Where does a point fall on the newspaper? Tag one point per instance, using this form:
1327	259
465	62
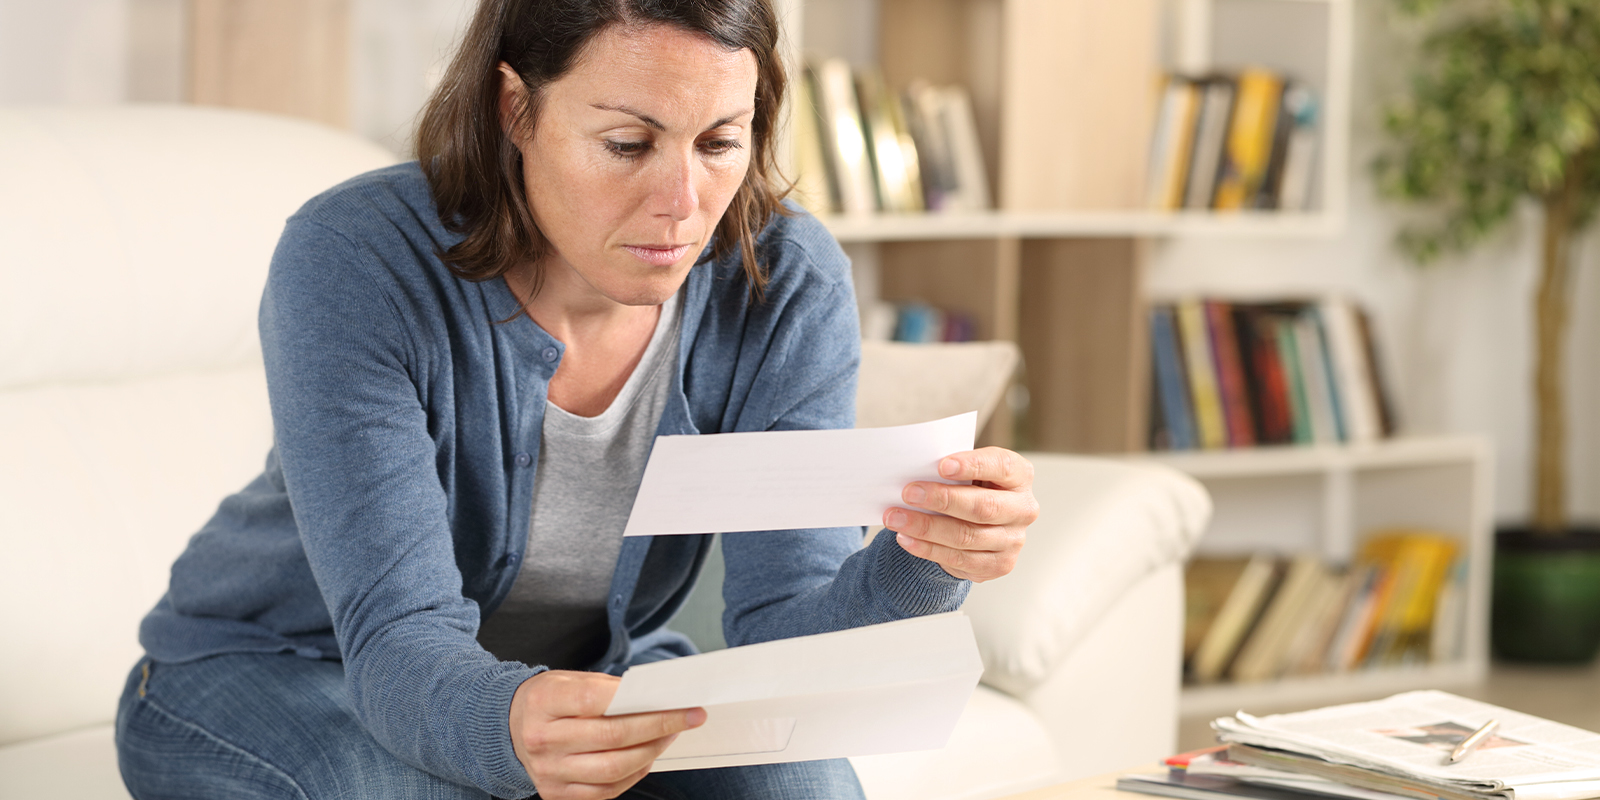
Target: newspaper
1409	737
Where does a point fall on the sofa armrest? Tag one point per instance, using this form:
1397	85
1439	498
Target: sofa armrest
1112	703
1104	526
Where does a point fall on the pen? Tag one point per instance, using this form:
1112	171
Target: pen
1471	743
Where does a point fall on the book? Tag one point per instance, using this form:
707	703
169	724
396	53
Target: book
844	143
892	156
1294	180
1171	382
1238	615
1321	405
1248	151
920	104
1387	424
1419	562
1255	326
1201	369
1264	373
1448	636
1308	654
1210	137
1357	399
1355	629
1207	582
966	153
1172	143
1231	384
812	188
1261	656
1289	354
919	323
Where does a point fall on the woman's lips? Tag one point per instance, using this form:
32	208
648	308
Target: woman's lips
658	256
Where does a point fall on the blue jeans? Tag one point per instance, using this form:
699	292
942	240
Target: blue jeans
280	726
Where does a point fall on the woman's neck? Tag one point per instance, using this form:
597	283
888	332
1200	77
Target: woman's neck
605	340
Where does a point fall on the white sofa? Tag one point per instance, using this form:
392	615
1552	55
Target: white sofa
132	400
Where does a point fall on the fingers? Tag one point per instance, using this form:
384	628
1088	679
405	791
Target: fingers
607	734
565	693
974	531
978	504
602	757
997	466
972	565
571	751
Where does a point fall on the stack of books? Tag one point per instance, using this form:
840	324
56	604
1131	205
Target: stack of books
861	148
1407	746
1264	617
1233	374
1233	142
915	322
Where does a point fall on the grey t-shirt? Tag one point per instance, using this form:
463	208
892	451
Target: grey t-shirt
589	471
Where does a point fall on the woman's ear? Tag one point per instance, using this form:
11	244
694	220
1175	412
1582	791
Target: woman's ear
513	98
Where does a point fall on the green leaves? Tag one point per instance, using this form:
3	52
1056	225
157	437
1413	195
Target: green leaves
1504	103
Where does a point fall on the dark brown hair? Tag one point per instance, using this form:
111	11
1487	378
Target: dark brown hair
475	170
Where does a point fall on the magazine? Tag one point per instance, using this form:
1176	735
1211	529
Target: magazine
1402	744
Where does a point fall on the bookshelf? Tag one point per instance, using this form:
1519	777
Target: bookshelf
1064	92
1323	499
1064	95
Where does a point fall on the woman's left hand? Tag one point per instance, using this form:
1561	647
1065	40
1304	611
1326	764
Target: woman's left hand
982	527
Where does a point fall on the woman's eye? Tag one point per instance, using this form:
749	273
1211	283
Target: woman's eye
627	149
720	146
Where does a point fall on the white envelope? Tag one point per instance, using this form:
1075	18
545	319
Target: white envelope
784	480
885	688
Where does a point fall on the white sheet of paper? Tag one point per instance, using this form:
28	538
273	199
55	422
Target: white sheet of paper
783	480
886	688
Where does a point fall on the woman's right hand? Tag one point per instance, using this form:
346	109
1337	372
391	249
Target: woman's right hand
572	751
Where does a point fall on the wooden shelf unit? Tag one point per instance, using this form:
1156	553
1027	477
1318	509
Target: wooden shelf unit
1323	500
1064	96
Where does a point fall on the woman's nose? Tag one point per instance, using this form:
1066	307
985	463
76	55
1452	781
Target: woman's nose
677	193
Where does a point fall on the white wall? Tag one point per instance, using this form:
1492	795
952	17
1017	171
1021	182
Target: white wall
63	51
1456	336
400	51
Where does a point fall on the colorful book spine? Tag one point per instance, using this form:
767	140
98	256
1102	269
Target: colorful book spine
1299	405
1249	144
1203	389
1210	137
1171	383
1172	143
1264	371
1230	374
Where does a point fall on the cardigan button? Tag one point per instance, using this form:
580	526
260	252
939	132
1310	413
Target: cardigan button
523	459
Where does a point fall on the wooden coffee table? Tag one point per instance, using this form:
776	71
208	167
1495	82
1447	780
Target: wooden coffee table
1099	787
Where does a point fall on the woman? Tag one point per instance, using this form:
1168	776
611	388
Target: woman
426	593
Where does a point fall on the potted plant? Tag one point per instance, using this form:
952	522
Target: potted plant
1503	108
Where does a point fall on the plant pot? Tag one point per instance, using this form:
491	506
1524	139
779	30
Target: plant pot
1546	596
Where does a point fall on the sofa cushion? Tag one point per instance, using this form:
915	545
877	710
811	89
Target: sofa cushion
101	486
998	748
1070	572
131	397
81	765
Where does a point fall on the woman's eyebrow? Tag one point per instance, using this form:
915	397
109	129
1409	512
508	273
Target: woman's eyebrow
653	123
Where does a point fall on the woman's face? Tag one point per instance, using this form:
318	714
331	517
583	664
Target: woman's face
635	154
